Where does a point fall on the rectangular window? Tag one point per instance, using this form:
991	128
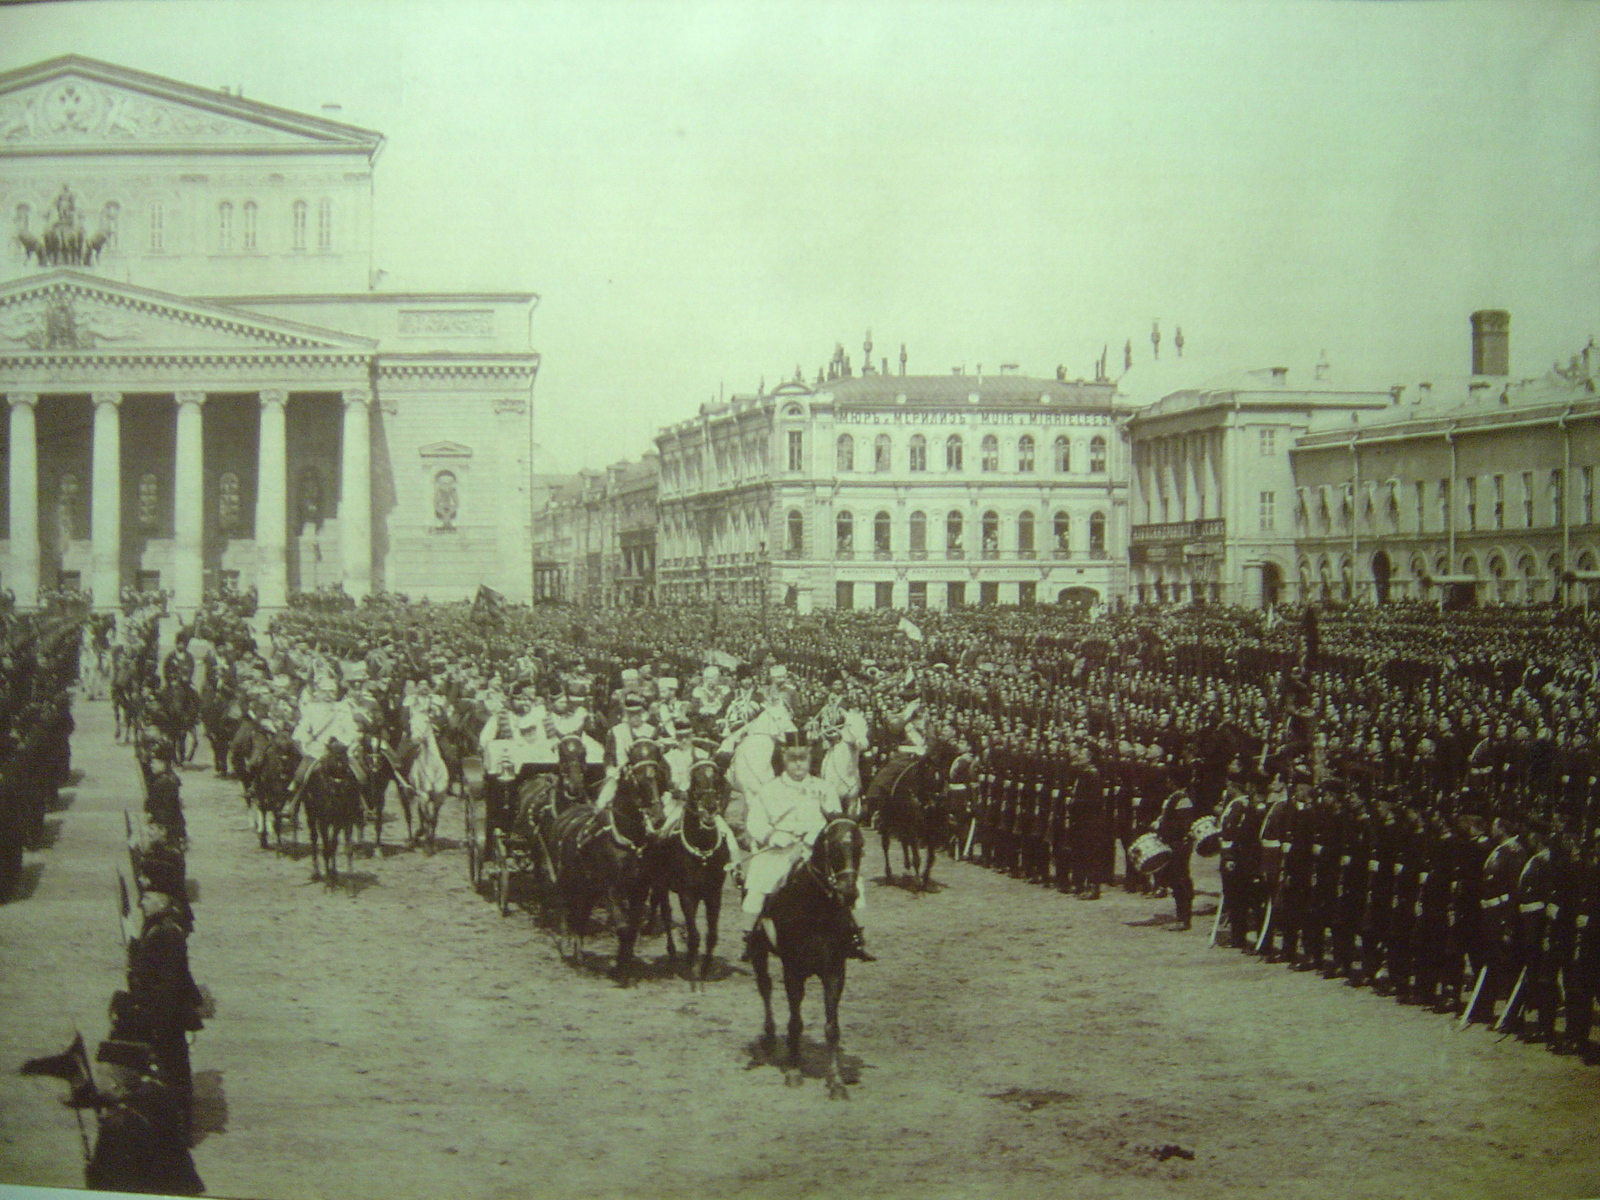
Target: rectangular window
1269	443
1422	507
1027	593
988	593
225	227
1472	502
157	232
325	225
1527	499
917	595
1588	495
250	225
1269	506
1558	497
955	595
796	458
1444	504
844	595
1499	501
883	595
299	227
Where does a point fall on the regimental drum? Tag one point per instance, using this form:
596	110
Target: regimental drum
1149	854
1207	836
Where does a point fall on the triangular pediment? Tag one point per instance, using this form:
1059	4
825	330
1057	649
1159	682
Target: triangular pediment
66	311
445	450
77	105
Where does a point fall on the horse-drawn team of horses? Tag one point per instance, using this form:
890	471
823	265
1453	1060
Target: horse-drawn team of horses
543	826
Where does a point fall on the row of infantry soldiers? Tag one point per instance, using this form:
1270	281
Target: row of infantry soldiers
37	666
145	1109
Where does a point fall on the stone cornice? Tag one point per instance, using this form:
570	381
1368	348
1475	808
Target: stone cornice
492	370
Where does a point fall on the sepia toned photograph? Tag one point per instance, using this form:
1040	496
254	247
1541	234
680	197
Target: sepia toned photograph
721	598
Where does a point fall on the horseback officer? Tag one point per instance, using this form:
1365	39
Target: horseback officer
783	820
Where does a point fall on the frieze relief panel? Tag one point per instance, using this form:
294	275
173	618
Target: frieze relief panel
69	320
446	322
78	112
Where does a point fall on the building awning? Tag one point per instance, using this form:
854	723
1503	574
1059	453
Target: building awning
1448	579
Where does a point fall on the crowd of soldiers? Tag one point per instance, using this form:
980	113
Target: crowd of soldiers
145	1112
36	665
1410	804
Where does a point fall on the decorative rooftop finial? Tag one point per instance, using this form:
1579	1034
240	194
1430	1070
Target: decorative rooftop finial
903	357
866	356
1177	340
1155	336
1127	355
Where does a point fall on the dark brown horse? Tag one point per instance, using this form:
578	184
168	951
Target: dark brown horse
916	810
332	799
692	862
600	853
810	915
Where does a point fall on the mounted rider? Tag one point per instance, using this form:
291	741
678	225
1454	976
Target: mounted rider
681	758
326	722
783	822
634	727
913	745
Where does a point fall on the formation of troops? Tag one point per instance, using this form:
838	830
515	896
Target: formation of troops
1403	799
143	1099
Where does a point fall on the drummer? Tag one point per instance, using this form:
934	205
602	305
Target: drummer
1178	815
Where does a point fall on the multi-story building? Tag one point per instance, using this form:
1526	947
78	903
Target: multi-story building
594	537
205	387
905	491
1472	488
1211	484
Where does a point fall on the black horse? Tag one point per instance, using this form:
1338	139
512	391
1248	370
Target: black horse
600	854
916	809
810	915
331	796
692	862
220	712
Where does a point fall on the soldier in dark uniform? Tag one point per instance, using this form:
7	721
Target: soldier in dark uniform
1581	978
1327	838
1172	827
1089	826
1384	848
1239	864
1409	867
1438	966
163	992
1498	922
143	1142
1533	897
1351	903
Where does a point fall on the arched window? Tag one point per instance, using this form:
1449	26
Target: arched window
1025	452
991	534
991	453
23	219
229	505
1063	533
845	459
1097	454
844	533
68	498
446	499
1025	534
919	535
325	224
880	535
952	452
1063	454
1097	534
919	453
953	535
149	501
225	227
299	228
881	453
796	532
158	240
249	224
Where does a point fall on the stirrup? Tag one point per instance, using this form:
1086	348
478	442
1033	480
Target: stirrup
857	947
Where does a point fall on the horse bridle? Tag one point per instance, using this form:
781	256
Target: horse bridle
829	880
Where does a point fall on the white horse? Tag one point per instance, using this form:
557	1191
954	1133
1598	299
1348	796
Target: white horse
426	781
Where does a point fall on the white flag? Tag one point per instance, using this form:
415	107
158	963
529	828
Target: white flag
910	630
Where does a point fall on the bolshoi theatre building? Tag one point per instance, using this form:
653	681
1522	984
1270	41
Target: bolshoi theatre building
203	388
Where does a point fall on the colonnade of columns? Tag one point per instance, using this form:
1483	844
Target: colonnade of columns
272	498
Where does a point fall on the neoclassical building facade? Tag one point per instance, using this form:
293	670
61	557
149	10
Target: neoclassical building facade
204	388
897	491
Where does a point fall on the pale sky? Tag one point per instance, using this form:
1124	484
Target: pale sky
706	194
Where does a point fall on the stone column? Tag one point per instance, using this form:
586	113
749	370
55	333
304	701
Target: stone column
22	576
355	493
106	502
272	504
188	509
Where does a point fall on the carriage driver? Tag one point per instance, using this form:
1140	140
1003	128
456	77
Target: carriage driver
681	756
784	820
325	721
